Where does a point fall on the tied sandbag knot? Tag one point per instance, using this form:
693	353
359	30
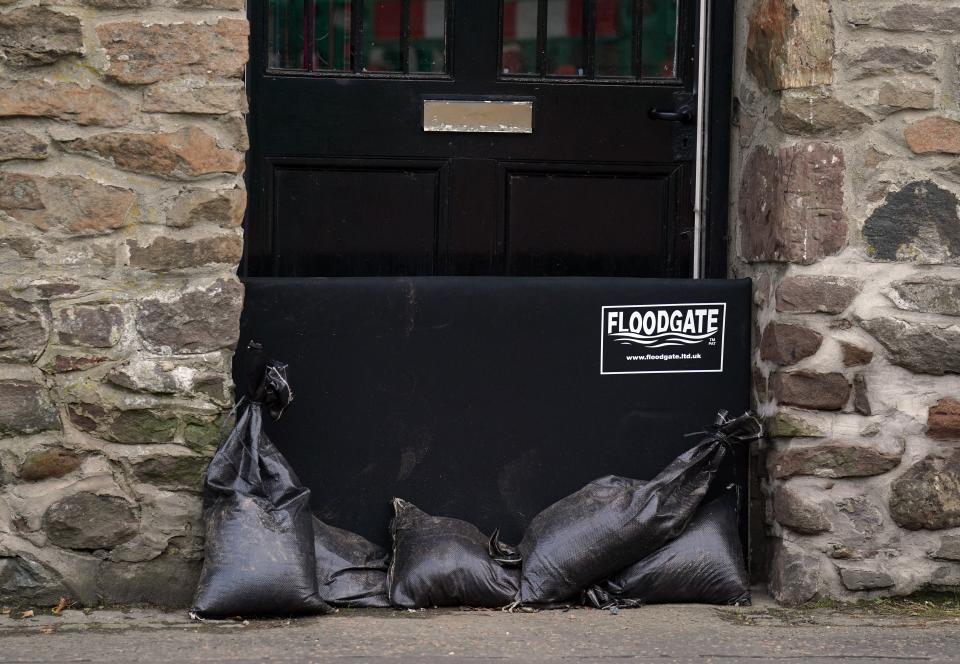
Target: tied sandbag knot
741	429
268	385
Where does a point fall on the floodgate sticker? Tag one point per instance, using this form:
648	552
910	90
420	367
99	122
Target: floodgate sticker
663	338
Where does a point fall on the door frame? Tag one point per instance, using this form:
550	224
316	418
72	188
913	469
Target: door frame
714	150
714	92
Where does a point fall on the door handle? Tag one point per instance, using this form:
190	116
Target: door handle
684	115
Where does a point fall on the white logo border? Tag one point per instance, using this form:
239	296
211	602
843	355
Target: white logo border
603	335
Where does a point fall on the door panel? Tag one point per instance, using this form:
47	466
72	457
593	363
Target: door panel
586	223
353	222
597	188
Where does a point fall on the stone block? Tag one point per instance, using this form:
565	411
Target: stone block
189	377
209	4
798	513
927	495
933	135
795	576
20	144
27	581
943	419
786	424
816	294
177	473
94	326
861	396
790	43
921	347
69	102
895	96
26	408
130	425
918	223
932	295
200	319
63	360
858	579
37	35
945	578
87	521
69	204
118	4
784	343
905	16
816	112
949	549
48	463
187	153
196	96
140	53
833	459
23	332
864	516
810	389
868	60
791	204
854	355
223	208
165	253
167	581
203	434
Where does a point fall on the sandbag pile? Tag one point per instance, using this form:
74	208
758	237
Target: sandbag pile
615	542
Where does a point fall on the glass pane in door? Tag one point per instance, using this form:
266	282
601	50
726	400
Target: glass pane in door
615	33
428	36
621	39
358	36
285	31
519	54
565	24
332	35
659	38
381	47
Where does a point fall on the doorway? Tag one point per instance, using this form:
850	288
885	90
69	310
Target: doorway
456	137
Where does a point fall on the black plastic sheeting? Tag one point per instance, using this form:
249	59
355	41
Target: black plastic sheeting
480	398
259	549
351	571
613	522
704	565
439	561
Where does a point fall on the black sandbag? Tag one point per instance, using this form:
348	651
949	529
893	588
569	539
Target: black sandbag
615	521
259	550
351	571
439	561
704	565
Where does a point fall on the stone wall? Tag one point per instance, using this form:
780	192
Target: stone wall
122	142
846	183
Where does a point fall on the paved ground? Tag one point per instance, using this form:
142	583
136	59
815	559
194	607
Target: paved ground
702	634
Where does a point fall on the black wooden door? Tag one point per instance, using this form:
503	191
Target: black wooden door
352	175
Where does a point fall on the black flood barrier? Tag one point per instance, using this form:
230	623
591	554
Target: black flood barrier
614	521
488	399
351	571
439	561
259	552
703	565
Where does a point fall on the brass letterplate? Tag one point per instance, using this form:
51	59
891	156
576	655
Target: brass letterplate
481	117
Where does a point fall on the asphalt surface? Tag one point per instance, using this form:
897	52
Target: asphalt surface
650	634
